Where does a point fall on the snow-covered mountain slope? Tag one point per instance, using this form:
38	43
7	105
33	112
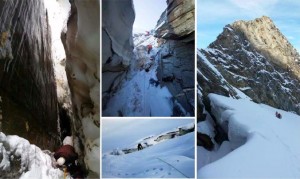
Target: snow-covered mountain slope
260	144
247	57
169	158
239	134
21	159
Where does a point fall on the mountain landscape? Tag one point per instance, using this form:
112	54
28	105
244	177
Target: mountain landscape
168	149
253	71
136	79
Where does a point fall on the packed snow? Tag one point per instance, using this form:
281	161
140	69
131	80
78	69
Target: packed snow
34	163
260	144
141	93
169	158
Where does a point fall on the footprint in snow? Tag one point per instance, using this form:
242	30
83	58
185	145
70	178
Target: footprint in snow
177	160
154	168
161	169
169	173
147	170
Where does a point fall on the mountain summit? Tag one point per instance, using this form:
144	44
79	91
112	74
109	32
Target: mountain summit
254	57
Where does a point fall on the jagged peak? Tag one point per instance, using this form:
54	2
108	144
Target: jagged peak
265	37
263	19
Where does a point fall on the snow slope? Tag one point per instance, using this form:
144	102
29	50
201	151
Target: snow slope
172	158
260	145
34	163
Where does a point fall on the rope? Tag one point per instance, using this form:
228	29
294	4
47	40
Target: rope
172	167
65	173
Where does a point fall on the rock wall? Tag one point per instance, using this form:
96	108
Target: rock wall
117	49
267	39
81	42
256	58
175	28
28	91
177	21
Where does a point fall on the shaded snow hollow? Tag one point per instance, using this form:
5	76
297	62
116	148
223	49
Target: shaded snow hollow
173	158
260	145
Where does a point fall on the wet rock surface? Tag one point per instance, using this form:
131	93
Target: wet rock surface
28	91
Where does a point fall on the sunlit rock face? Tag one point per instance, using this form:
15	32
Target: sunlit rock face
28	92
117	49
256	58
82	44
177	21
175	30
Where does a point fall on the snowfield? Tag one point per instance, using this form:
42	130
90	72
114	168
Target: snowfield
169	158
260	144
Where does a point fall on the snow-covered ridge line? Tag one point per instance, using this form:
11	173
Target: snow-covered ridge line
156	139
264	142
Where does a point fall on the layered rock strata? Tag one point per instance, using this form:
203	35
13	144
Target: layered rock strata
175	30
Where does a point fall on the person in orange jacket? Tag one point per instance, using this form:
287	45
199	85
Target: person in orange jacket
149	48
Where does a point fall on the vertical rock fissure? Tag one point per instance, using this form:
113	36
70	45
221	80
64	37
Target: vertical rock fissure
28	87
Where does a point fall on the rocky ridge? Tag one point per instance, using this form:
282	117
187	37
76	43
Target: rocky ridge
255	58
175	30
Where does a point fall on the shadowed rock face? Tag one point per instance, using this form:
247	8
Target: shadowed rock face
81	43
257	59
117	49
175	28
29	100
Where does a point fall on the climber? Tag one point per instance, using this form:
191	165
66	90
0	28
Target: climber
153	82
140	147
278	115
66	157
147	33
149	48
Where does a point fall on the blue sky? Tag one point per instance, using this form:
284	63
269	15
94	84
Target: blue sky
213	15
147	13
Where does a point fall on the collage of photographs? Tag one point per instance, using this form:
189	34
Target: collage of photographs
149	89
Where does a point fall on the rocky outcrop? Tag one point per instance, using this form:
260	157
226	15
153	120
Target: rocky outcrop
28	90
258	60
117	49
177	21
81	42
266	38
175	28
